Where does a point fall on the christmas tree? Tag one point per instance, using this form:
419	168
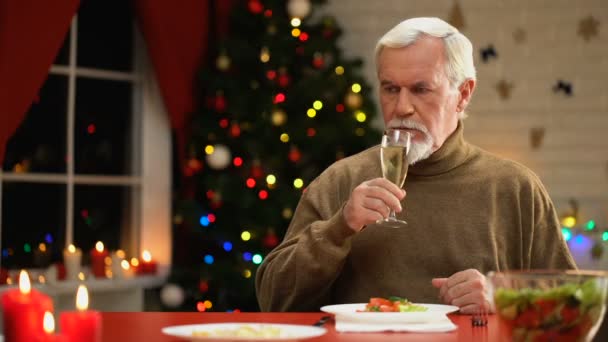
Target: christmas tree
278	105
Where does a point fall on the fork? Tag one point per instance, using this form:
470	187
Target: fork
480	319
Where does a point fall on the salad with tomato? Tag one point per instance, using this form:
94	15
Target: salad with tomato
567	312
392	304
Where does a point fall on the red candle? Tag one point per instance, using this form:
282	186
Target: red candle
23	311
83	324
147	265
98	260
49	330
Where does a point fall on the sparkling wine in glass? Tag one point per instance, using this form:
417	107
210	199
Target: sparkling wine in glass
393	158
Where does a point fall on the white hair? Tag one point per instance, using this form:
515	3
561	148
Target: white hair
459	50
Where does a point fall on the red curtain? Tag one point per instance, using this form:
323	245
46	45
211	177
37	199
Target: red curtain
31	34
177	35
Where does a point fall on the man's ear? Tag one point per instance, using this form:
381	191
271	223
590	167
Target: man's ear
466	91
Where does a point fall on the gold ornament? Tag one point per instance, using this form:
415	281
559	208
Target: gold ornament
537	135
279	117
504	89
587	28
222	62
456	18
353	100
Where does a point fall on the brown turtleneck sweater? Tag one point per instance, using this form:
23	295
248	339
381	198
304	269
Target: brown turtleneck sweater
465	208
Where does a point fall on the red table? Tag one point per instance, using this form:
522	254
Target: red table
146	326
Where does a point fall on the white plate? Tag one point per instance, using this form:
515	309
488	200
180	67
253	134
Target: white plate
287	332
435	312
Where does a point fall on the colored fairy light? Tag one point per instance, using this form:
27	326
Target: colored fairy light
339	108
250	182
224	123
48	238
211	218
200	307
567	234
356	87
208	304
84	213
271	74
311	113
5	253
227	246
27	248
605	236
237	161
295	32
296	22
339	70
311	132
247	274
591	225
317	105
284	137
264	55
360	116
209	259
204	221
210	194
280	97
303	36
569	221
257	259
42	247
263	194
298	183
209	149
91	128
247	256
271	179
245	235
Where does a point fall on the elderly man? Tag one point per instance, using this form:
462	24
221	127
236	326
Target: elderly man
468	211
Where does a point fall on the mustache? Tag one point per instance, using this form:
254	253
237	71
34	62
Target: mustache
409	124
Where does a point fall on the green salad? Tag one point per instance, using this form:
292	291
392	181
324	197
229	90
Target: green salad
566	312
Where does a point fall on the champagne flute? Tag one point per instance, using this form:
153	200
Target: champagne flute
393	158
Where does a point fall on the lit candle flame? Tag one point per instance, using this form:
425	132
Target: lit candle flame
125	265
48	323
146	256
82	298
41	279
99	246
24	282
81	276
72	249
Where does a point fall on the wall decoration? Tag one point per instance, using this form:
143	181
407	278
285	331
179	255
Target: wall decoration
588	28
456	17
488	52
537	136
563	87
504	89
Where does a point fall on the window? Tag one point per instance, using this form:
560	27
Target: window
99	104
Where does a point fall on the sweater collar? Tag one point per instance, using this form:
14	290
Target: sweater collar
450	155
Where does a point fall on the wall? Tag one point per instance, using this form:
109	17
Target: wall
572	159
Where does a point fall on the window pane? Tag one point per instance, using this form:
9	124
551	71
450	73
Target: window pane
102	213
105	35
103	127
39	144
32	214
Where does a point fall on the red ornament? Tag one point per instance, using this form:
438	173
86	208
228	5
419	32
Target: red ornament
257	172
270	240
284	80
220	103
235	130
294	154
203	286
317	62
255	6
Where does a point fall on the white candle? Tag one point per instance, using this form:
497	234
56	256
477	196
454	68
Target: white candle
72	258
117	258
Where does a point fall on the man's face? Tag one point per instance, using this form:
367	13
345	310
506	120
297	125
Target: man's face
415	91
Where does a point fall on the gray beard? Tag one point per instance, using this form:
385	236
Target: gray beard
420	150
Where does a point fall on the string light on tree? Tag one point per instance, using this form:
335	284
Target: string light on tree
218	156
